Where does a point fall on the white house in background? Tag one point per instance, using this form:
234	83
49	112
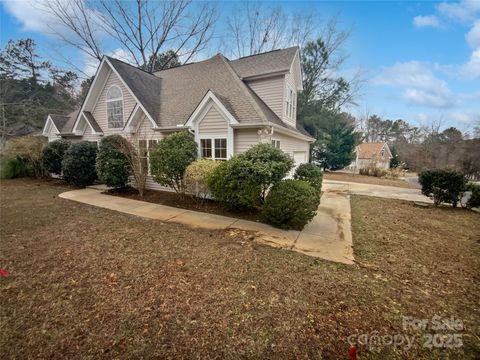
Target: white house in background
228	105
371	154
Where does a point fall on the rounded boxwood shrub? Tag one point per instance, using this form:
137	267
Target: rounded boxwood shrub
197	175
113	167
52	155
443	185
78	165
232	184
170	158
310	173
474	200
291	204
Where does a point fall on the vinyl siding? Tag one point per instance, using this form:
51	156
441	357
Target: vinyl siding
213	124
271	91
52	134
100	110
89	136
290	145
243	139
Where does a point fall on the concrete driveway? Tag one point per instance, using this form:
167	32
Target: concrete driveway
388	192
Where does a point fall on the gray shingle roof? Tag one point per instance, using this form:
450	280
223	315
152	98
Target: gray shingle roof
92	121
144	85
170	96
59	121
265	63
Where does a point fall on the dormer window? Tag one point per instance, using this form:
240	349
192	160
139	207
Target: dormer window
115	107
290	103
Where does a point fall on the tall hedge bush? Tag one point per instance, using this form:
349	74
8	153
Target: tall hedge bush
443	185
310	173
269	165
78	165
113	167
170	158
52	155
291	204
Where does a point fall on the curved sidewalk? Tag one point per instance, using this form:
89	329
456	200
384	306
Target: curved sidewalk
327	236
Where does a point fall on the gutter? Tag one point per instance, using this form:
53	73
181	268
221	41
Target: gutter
172	128
265	75
278	128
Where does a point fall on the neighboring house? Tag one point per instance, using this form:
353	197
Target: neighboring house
228	105
371	155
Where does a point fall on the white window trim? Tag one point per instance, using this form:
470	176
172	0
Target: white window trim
290	103
279	143
48	127
212	137
198	115
107	100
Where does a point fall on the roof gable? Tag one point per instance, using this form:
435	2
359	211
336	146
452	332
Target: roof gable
371	150
275	61
145	87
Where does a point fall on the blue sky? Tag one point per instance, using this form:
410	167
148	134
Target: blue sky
420	60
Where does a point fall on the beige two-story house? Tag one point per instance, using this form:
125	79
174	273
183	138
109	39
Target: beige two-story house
228	105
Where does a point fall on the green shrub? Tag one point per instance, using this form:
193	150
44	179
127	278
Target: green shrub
29	150
243	181
269	165
12	167
113	167
474	200
291	204
170	158
310	173
78	165
443	185
197	175
52	155
232	184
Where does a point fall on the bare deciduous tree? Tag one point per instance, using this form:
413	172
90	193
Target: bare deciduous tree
143	28
254	29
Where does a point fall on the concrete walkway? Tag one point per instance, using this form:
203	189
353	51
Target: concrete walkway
327	236
388	192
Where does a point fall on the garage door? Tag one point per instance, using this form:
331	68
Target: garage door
299	157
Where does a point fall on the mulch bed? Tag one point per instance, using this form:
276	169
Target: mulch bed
186	202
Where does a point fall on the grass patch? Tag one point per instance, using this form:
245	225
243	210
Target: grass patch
92	283
363	179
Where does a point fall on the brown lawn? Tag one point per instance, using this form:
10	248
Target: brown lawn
340	176
91	283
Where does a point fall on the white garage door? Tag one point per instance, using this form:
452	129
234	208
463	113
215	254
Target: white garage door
299	157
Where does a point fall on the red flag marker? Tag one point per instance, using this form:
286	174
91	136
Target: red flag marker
352	353
3	272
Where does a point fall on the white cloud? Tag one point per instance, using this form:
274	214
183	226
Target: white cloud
465	117
29	14
473	36
426	21
90	64
463	11
472	67
420	85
